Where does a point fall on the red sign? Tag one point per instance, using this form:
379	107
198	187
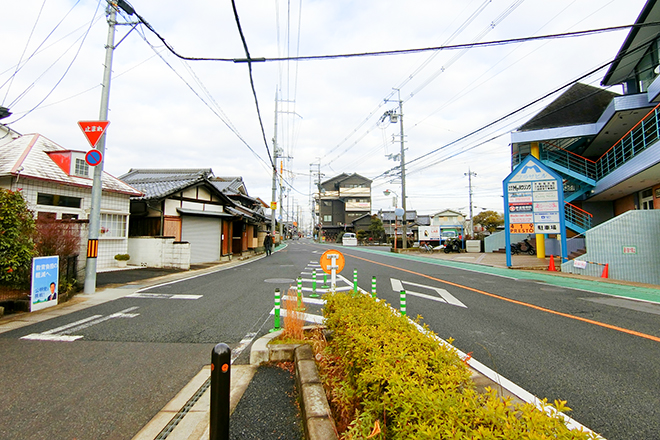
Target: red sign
93	130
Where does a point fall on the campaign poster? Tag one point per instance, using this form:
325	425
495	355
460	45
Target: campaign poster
45	282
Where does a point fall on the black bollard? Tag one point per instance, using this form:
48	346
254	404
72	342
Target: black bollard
220	381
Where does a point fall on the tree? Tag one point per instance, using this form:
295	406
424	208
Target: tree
16	239
376	230
490	220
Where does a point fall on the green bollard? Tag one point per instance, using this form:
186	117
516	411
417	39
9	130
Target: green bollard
314	294
373	286
299	292
402	297
278	305
355	287
325	281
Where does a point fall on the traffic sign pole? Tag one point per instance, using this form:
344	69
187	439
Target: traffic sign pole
97	188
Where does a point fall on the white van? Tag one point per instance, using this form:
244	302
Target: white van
349	239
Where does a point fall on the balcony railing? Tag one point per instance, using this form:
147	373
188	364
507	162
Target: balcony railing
643	134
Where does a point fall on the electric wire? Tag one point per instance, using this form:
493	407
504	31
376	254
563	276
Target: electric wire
66	71
491	43
254	92
499	19
27	43
640	46
21	63
216	110
409	78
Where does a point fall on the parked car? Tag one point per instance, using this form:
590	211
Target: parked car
349	239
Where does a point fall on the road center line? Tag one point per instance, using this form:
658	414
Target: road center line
514	301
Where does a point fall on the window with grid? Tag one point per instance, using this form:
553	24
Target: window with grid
113	226
81	168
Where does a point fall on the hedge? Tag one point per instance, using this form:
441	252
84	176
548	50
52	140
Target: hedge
402	382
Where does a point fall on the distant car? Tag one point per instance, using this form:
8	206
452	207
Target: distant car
349	239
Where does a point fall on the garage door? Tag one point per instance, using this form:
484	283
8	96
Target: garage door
203	234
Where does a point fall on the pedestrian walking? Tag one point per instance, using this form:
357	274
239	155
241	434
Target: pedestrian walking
268	243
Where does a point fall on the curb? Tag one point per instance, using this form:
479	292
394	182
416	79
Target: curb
317	418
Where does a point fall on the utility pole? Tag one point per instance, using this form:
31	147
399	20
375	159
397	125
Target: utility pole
394	117
316	221
281	194
403	175
97	183
470	174
273	199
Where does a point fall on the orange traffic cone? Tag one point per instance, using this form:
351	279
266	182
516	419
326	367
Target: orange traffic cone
552	264
606	271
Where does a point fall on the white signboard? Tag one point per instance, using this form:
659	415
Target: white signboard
521	218
546	217
547	228
429	233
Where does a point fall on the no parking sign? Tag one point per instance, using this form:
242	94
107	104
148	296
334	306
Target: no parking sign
93	157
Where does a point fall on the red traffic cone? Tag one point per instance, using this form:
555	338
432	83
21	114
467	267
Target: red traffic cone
605	273
552	268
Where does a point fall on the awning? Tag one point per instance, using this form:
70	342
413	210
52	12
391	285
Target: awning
186	211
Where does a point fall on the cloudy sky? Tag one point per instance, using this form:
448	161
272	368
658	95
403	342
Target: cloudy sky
170	113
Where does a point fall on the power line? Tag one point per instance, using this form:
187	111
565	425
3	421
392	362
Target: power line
84	37
250	60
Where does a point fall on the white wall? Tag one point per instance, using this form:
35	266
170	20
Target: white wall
159	252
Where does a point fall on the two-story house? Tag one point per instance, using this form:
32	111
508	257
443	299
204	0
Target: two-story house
57	184
341	201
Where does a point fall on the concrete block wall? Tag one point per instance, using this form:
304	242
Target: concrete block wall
160	252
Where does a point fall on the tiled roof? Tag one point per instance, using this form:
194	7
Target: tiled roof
159	183
389	215
28	157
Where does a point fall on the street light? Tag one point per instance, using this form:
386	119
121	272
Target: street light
398	212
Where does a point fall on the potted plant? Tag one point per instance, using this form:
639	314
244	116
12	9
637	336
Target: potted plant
122	259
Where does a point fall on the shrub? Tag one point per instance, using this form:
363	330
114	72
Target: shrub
122	257
293	319
16	239
385	373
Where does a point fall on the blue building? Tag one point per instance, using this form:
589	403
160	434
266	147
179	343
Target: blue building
606	147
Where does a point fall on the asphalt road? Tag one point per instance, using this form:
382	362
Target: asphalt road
135	353
545	338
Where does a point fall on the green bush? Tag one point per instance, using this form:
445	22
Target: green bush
414	387
16	239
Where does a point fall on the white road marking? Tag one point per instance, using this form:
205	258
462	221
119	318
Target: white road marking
446	297
316	319
45	337
236	352
306	300
162	296
73	324
186	296
62	333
